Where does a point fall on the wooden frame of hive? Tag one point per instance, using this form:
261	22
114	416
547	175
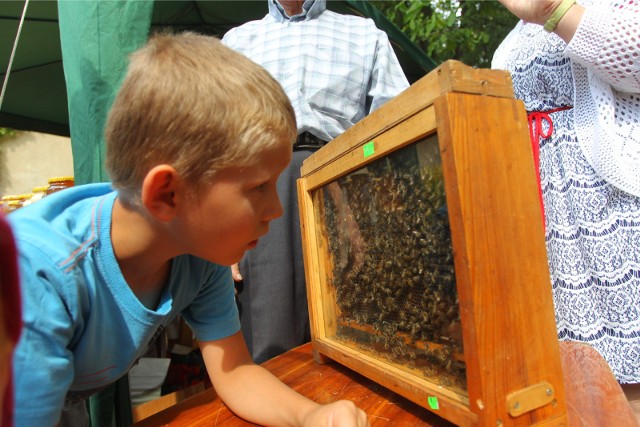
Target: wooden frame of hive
511	352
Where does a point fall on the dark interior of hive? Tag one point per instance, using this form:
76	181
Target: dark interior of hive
388	243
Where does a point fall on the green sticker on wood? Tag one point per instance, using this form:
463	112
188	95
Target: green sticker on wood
368	149
433	402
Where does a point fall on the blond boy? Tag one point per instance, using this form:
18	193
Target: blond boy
196	140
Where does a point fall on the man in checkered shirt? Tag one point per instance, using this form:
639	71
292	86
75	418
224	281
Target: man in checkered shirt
336	69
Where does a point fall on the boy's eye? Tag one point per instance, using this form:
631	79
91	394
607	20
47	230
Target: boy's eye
261	187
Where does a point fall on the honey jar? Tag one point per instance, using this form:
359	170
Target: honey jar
25	199
14	201
59	183
11	206
5	203
38	193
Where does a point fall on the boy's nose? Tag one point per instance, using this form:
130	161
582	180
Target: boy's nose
274	209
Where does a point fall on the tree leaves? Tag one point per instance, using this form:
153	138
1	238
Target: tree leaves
6	132
466	30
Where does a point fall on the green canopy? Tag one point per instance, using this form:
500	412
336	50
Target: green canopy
88	41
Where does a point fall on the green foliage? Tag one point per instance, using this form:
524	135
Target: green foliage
6	132
466	30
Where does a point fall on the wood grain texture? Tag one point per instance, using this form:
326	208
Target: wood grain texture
411	130
632	392
322	383
451	76
154	406
501	268
505	301
594	398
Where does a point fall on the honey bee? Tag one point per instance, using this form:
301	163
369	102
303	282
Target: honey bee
403	284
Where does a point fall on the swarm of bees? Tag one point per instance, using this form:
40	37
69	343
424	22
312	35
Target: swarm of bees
392	268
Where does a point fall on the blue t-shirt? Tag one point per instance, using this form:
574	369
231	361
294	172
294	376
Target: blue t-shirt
83	326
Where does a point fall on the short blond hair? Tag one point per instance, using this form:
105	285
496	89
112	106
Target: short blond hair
191	102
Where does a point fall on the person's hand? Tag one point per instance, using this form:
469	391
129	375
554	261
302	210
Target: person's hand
235	273
534	11
237	277
342	413
539	12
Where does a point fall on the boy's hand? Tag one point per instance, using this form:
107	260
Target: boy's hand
342	413
255	394
235	273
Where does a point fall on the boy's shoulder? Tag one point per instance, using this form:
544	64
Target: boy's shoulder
64	221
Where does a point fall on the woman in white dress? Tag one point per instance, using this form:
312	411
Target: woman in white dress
577	69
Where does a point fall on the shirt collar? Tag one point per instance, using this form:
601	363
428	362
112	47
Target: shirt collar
310	9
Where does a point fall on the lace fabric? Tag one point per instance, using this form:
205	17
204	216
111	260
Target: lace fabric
591	183
606	66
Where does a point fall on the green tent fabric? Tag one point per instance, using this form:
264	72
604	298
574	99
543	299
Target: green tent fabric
36	97
96	37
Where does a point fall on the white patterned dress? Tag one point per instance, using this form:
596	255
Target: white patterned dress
589	172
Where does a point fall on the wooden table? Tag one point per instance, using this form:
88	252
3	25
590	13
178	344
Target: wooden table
594	398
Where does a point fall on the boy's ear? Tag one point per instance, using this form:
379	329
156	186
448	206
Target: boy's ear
159	189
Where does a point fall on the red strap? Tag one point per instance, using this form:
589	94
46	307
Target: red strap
536	131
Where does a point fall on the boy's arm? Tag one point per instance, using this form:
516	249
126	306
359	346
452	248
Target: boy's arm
256	395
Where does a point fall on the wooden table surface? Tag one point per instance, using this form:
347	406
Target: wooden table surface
594	398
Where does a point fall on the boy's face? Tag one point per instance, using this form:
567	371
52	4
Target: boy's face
235	211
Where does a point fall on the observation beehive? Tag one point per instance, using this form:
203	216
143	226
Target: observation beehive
425	256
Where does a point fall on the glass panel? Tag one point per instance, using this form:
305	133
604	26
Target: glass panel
385	232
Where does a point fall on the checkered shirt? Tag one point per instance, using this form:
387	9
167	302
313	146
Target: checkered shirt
335	68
